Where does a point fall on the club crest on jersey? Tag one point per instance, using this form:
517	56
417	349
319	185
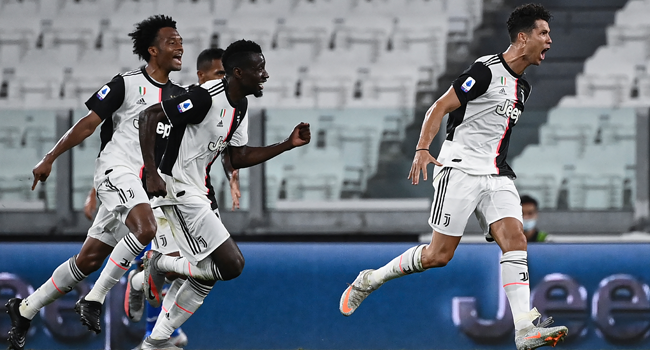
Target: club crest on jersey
468	84
142	90
218	146
101	94
509	110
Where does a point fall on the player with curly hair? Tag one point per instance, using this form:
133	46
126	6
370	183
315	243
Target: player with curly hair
118	178
471	175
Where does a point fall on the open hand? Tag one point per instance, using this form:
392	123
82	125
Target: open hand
420	162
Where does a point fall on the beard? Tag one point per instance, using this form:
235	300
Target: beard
258	93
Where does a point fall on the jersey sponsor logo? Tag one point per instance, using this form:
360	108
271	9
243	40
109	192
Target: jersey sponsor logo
502	91
141	101
468	84
101	94
161	128
220	124
508	110
185	106
218	146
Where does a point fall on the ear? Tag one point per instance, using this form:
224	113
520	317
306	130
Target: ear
237	72
199	75
522	38
153	51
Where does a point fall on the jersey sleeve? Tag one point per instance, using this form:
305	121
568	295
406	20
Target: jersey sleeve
108	98
473	83
240	137
189	108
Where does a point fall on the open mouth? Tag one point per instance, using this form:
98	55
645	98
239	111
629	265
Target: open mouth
178	58
543	54
261	85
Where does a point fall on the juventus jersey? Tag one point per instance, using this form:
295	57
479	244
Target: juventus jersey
204	122
492	99
118	104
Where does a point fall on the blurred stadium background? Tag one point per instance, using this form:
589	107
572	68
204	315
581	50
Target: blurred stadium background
363	73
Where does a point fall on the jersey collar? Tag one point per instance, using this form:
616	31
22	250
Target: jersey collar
153	82
508	67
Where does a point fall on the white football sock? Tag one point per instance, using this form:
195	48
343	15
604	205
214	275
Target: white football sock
405	264
170	297
118	263
188	299
205	270
63	280
137	281
514	274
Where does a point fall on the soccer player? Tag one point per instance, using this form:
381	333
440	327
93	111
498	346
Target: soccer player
206	121
471	174
117	177
209	67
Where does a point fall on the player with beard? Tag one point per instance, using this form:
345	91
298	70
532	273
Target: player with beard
117	177
471	175
206	121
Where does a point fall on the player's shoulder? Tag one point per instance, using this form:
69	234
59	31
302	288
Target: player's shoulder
214	87
488	60
132	73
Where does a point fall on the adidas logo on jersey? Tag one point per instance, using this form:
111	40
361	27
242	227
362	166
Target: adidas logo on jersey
141	101
502	91
220	124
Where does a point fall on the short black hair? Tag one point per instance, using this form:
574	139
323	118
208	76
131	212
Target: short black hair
146	34
238	54
207	56
523	18
526	199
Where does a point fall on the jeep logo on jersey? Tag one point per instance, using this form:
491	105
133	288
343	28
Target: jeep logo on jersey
161	128
101	94
468	84
185	106
508	110
218	146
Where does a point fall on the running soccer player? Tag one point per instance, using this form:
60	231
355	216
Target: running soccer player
209	119
209	67
117	178
471	174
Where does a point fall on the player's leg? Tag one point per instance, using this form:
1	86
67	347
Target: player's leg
453	202
208	238
94	250
500	210
122	194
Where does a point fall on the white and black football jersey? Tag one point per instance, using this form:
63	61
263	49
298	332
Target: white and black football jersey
204	122
118	104
492	99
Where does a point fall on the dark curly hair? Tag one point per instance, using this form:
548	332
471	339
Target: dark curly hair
238	54
523	18
145	34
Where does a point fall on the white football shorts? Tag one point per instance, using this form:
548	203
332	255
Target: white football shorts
120	190
457	194
164	241
197	229
106	227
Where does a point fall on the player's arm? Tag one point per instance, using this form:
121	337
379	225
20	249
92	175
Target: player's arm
74	136
147	122
91	204
233	178
246	156
446	104
189	108
473	83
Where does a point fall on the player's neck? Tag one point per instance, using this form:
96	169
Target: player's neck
516	59
233	92
156	73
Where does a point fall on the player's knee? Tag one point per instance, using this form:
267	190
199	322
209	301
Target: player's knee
146	233
233	268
